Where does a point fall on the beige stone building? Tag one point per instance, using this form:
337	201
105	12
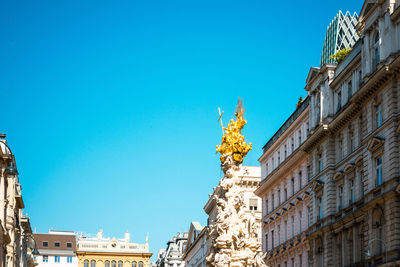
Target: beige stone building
16	240
111	252
351	154
285	192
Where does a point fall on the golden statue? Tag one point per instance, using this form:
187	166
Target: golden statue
233	143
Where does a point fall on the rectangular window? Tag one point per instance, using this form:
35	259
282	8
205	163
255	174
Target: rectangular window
266	242
57	259
351	141
308	216
300	180
272	239
279	234
319	208
266	169
279	158
349	89
252	204
378	171
292	183
300	260
45	258
339	99
45	244
273	201
300	216
351	200
299	137
319	162
285	230
292	262
69	245
273	163
69	259
340	150
56	244
340	197
292	226
378	116
286	195
292	143
285	152
266	205
279	197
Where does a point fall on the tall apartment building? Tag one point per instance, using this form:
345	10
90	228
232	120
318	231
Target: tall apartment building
285	192
352	153
56	248
96	250
16	238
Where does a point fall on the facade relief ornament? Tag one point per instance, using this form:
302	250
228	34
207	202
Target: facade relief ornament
233	231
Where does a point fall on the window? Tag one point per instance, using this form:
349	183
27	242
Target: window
340	197
285	194
292	183
292	261
307	129
120	264
252	204
107	264
266	169
92	263
113	264
300	260
86	263
45	258
300	180
273	201
285	153
292	143
319	162
376	51
279	234
319	203
378	168
351	141
300	218
273	163
266	205
266	242
56	244
69	259
140	264
57	259
285	230
351	199
299	137
349	90
378	116
279	158
69	245
279	197
45	244
272	239
133	263
292	226
340	149
339	101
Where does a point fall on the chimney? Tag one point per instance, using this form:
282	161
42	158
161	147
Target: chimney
127	237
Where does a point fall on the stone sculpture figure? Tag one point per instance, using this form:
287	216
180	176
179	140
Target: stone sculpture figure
233	232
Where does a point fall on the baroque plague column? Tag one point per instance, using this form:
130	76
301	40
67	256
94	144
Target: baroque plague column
233	232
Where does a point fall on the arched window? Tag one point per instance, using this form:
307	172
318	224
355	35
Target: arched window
113	264
140	263
120	264
376	49
134	264
86	263
107	264
93	263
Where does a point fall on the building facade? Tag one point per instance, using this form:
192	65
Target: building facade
56	248
172	255
351	153
285	192
111	252
196	248
16	241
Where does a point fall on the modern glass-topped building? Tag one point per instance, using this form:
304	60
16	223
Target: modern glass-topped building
340	33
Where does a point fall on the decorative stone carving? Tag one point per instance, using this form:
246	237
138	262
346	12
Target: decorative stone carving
233	231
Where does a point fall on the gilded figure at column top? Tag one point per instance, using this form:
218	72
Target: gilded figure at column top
233	143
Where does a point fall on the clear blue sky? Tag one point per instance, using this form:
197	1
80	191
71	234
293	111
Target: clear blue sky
110	107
